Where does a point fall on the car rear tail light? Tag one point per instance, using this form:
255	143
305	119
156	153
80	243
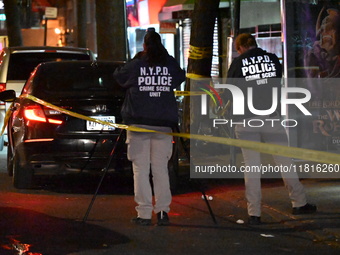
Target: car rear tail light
2	88
39	140
38	113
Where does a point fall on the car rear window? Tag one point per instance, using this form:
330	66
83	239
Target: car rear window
22	64
64	81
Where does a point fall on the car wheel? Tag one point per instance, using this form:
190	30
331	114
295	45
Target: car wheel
22	174
9	161
173	168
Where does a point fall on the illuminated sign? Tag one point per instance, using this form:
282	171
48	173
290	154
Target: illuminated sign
130	2
51	12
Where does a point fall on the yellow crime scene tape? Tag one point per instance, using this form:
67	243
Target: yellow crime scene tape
195	76
8	113
199	52
291	152
189	93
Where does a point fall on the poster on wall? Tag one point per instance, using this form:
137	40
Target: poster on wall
313	62
132	13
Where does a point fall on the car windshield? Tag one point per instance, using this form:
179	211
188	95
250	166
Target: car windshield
22	64
76	81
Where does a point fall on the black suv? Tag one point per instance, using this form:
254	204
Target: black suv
17	63
48	141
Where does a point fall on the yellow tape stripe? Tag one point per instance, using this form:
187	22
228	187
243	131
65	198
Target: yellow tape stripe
77	115
292	152
7	115
8	112
189	93
199	52
195	76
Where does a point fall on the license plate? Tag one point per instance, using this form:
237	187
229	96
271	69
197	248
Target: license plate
90	125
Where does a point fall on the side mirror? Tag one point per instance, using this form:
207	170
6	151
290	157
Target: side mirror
8	95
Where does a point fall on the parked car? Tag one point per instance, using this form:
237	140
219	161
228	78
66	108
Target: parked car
42	140
17	63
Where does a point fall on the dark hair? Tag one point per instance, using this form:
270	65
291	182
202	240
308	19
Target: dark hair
154	50
245	40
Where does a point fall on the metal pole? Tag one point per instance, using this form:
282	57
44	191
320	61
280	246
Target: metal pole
45	34
237	13
81	24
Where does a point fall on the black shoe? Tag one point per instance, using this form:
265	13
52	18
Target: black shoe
142	222
163	219
306	209
254	220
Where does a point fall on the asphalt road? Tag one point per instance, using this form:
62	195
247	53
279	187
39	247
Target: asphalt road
50	218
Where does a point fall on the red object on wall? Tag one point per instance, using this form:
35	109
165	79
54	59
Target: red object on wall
38	5
155	6
149	15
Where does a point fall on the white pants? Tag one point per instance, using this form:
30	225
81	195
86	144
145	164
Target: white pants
145	150
274	135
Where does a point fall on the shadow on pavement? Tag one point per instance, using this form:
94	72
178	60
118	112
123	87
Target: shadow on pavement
113	183
85	183
50	235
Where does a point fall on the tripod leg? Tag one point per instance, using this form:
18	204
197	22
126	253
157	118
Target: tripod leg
112	154
208	205
201	189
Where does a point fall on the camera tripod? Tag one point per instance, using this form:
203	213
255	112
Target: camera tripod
117	146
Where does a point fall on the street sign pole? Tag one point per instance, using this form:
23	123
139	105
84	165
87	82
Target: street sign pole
45	32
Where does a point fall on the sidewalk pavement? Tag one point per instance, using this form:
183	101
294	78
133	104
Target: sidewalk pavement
51	220
193	231
229	204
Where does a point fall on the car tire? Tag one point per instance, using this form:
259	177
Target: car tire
9	161
22	174
173	167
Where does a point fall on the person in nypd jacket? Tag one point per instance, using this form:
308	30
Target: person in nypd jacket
150	78
259	71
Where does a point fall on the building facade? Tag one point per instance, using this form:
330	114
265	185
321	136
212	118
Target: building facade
294	31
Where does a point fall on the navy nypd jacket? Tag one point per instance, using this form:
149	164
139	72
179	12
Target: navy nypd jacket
150	98
261	71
